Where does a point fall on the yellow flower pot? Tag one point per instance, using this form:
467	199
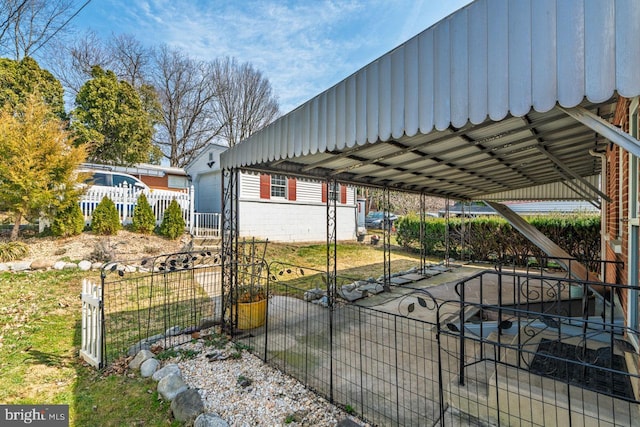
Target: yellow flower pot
250	314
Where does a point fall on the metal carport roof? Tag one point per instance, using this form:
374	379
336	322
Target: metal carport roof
500	98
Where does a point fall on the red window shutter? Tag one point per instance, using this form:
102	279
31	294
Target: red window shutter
265	186
343	194
324	192
291	190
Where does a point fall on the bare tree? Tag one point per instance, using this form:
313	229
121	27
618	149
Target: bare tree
191	103
28	25
246	102
123	54
72	62
187	94
131	60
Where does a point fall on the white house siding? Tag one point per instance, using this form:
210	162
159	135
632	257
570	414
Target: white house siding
302	220
278	219
293	221
249	186
309	192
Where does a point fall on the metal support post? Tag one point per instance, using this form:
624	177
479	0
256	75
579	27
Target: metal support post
386	226
422	237
229	245
332	195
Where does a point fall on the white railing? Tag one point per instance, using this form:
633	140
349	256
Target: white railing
125	199
91	349
206	224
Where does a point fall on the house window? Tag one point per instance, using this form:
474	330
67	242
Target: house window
279	186
174	181
334	191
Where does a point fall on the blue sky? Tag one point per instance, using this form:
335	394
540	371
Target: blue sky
302	47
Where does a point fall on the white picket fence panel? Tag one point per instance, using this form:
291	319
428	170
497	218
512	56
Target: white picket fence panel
125	199
91	349
206	224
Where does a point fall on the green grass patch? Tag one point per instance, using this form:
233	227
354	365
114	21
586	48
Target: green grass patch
40	326
40	321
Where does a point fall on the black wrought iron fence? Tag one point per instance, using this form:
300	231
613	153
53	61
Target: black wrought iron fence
508	349
502	348
157	299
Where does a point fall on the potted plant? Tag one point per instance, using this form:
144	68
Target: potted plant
249	303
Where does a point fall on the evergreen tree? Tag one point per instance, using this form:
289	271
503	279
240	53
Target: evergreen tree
20	79
144	221
105	219
37	161
172	222
110	119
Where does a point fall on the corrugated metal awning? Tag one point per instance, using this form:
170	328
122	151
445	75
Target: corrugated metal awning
468	108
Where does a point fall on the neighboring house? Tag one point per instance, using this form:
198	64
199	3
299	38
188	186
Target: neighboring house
155	176
205	174
274	206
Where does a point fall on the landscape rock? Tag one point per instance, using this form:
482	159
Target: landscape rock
172	368
141	345
324	301
130	268
372	288
186	406
348	288
59	265
140	358
210	420
41	264
4	267
97	265
208	322
84	265
353	295
21	266
70	266
149	367
174	330
170	386
314	294
154	338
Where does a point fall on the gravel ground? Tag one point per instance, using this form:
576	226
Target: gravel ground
271	399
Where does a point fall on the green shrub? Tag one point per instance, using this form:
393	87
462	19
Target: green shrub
105	219
68	220
173	224
435	230
11	251
144	221
490	238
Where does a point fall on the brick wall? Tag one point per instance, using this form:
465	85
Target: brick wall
155	181
617	188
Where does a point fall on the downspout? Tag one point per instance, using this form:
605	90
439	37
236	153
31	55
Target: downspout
603	206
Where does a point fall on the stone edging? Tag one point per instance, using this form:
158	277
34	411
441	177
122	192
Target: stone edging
46	264
186	403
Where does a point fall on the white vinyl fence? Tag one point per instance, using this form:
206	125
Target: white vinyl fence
125	199
206	224
91	349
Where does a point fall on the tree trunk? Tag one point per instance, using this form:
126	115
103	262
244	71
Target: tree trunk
16	227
